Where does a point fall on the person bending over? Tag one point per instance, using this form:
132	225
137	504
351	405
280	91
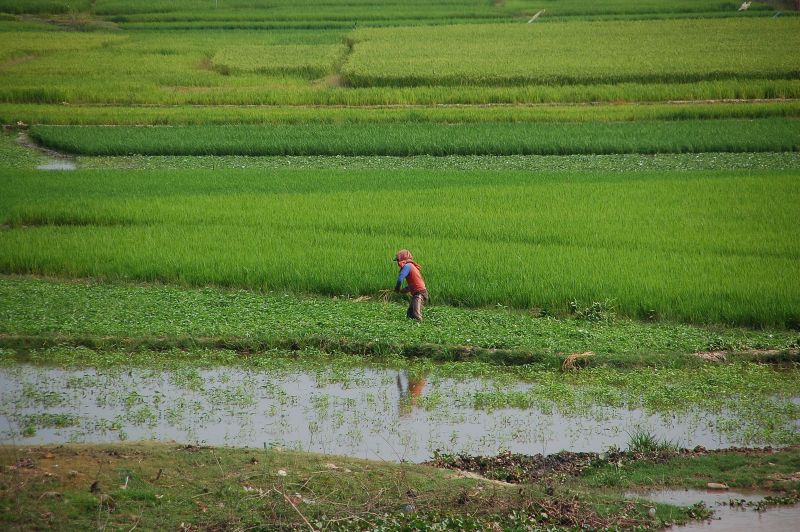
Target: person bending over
415	285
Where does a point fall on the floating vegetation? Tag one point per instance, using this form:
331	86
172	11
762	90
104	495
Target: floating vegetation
395	409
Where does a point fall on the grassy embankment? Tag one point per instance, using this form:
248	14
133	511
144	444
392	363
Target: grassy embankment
165	486
41	313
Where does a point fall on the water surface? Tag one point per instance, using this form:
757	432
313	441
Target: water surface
729	518
57	164
370	413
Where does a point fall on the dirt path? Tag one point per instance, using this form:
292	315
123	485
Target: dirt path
24	140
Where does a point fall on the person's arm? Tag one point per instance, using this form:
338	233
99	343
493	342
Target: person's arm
402	276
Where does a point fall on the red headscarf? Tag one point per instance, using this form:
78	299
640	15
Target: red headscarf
414	280
403	255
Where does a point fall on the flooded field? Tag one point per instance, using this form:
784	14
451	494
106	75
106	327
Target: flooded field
382	414
733	510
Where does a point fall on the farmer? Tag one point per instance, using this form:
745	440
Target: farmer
415	285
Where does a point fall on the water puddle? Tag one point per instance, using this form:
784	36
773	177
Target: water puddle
57	164
741	516
370	413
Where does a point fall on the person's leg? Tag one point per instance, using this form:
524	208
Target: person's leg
423	299
415	310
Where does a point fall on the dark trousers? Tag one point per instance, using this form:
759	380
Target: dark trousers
415	307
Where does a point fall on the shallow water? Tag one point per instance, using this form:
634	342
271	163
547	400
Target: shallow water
370	413
728	518
57	164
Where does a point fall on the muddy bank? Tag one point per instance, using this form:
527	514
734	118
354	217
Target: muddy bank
49	159
378	348
519	468
171	487
153	486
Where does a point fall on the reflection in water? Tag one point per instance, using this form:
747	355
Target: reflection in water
410	387
369	413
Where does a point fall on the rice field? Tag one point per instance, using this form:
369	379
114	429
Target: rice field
561	61
200	204
162	14
301	59
258	90
453	114
364	96
576	53
552	146
403	139
681	246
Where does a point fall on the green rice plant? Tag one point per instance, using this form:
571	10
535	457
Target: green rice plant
575	52
15	155
236	24
31	45
433	139
178	68
578	8
683	245
332	15
43	6
310	15
216	115
681	162
158	9
50	87
371	12
304	60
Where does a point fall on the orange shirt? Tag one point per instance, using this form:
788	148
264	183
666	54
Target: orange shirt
414	279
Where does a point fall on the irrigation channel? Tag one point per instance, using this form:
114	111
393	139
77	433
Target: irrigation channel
382	414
